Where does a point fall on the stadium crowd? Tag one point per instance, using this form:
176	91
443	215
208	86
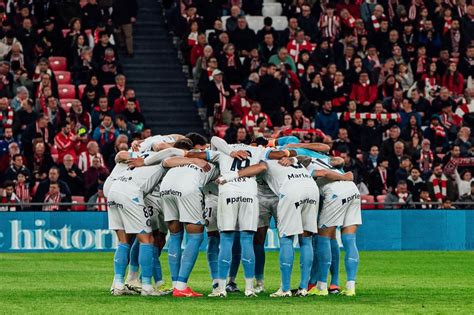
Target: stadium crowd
387	83
65	108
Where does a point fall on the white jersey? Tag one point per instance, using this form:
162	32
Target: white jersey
185	179
148	143
278	176
317	165
143	178
116	172
228	164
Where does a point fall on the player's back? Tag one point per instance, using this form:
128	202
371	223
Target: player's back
188	178
147	144
228	164
278	176
118	169
144	178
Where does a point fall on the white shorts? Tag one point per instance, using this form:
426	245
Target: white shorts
153	202
185	208
210	212
127	211
341	205
237	212
267	209
298	210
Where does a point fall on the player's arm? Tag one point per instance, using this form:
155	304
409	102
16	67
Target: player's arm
155	158
317	147
334	176
249	171
180	161
161	146
221	145
279	154
122	157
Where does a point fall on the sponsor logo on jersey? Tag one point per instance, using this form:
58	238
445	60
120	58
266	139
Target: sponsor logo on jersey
239	180
298	176
348	199
124	179
239	199
192	166
114	204
306	201
170	192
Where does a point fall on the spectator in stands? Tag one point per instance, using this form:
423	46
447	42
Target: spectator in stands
56	114
104	43
101	111
400	198
66	142
415	183
300	121
78	115
9	198
230	64
217	93
40	130
379	182
327	120
364	92
402	173
72	176
463	140
53	198
22	188
39	162
370	159
86	157
283	58
92	175
468	198
108	67
98	201
232	21
26	114
440	186
22	95
134	116
124	15
250	120
240	103
395	158
308	22
15	168
124	127
44	186
118	90
105	133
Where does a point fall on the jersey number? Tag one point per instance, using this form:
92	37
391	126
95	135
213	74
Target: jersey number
148	211
297	165
239	164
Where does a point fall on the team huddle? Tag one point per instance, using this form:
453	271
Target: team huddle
184	185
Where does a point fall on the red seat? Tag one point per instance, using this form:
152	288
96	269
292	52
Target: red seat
367	201
63	77
107	87
58	63
66	91
80	90
66	103
381	200
78	199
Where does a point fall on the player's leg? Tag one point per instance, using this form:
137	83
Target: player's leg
224	261
324	260
306	261
351	259
174	249
335	253
133	281
248	258
121	258
314	267
195	236
213	256
286	259
159	240
146	261
259	248
234	265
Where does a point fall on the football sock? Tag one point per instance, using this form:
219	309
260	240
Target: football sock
236	256
351	259
306	260
213	256
286	261
335	253
314	268
188	259
120	262
145	259
174	254
157	272
248	257
259	250
225	257
133	267
324	258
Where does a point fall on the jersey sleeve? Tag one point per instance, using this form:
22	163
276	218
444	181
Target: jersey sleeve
153	158
287	140
212	156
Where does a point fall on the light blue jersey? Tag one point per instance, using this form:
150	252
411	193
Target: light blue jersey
284	141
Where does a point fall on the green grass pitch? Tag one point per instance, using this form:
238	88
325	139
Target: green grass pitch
388	282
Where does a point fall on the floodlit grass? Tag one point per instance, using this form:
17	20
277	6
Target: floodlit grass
388	282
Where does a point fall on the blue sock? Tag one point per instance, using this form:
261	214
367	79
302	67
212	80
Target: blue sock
306	260
236	256
225	254
145	259
314	268
157	272
248	255
335	252
324	258
259	250
174	254
213	256
134	255
121	261
351	260
190	254
287	256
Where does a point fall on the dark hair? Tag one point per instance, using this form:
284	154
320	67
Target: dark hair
260	119
8	183
17	155
184	144
196	138
401	182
